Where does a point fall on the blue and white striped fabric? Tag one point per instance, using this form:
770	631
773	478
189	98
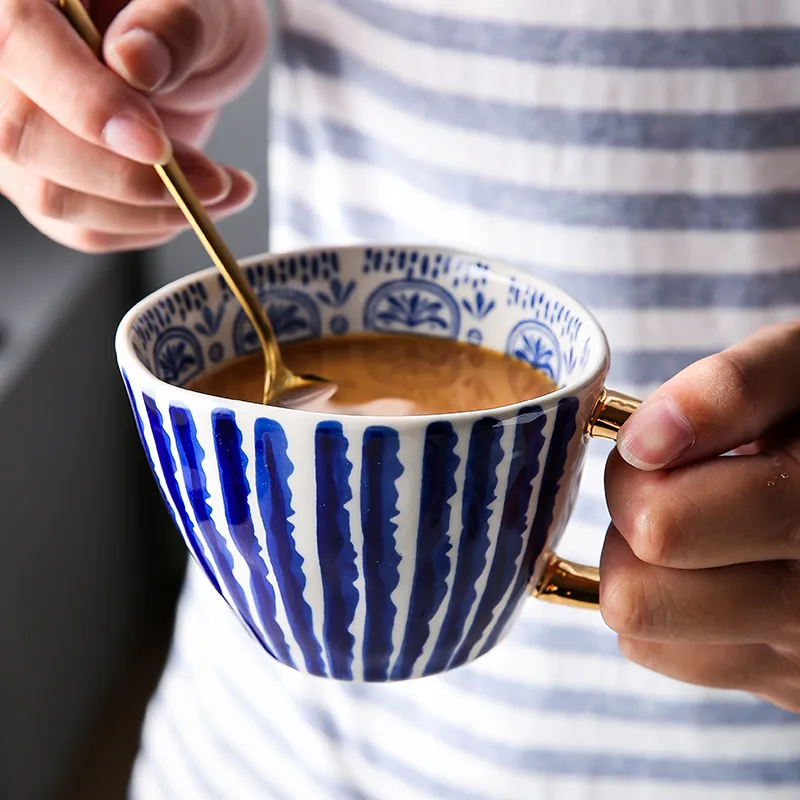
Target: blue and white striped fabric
644	156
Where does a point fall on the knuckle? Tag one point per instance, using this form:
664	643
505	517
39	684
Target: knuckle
623	603
185	31
166	220
105	98
652	526
734	384
188	17
135	183
48	199
92	242
650	533
17	115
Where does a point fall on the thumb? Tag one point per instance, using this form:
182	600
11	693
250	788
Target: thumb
719	403
156	44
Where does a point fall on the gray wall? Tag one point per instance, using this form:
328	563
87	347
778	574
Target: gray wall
72	532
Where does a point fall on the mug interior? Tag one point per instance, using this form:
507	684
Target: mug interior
195	323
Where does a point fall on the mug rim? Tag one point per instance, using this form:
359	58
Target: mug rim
130	362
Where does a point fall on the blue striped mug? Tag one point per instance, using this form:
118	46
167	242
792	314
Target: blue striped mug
372	548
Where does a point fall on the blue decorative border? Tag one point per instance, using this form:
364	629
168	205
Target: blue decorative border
391	289
412	306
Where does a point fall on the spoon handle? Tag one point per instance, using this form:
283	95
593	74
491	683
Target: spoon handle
181	190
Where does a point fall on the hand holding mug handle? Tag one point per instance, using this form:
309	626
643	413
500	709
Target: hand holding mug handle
565	582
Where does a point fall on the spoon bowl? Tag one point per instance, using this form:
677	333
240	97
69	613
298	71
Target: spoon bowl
297	391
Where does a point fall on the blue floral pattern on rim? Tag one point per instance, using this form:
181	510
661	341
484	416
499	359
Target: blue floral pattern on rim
388	289
178	356
294	316
535	343
412	306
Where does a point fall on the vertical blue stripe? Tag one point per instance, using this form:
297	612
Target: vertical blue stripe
171	484
140	428
563	431
192	455
337	556
136	415
380	470
439	464
273	469
528	443
235	492
480	483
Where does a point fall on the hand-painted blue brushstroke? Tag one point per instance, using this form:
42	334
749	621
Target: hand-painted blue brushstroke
136	415
191	456
563	431
432	566
235	491
337	556
171	487
140	428
273	469
480	483
528	444
380	471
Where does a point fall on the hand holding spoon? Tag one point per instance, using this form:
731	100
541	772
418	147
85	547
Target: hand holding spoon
281	385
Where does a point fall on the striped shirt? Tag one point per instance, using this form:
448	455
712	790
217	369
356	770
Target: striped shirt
644	156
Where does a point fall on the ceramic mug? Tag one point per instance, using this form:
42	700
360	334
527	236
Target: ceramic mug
372	548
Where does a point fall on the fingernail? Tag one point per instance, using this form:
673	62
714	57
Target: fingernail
142	58
211	183
246	176
655	435
252	189
136	139
229	210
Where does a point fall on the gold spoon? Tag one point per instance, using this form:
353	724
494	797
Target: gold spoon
281	385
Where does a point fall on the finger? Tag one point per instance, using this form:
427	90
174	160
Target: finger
719	403
749	667
49	200
156	45
96	242
741	604
719	512
193	129
48	62
45	149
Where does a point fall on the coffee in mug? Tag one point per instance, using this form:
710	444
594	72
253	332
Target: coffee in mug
381	373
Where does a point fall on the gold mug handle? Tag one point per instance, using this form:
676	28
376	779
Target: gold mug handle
565	582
